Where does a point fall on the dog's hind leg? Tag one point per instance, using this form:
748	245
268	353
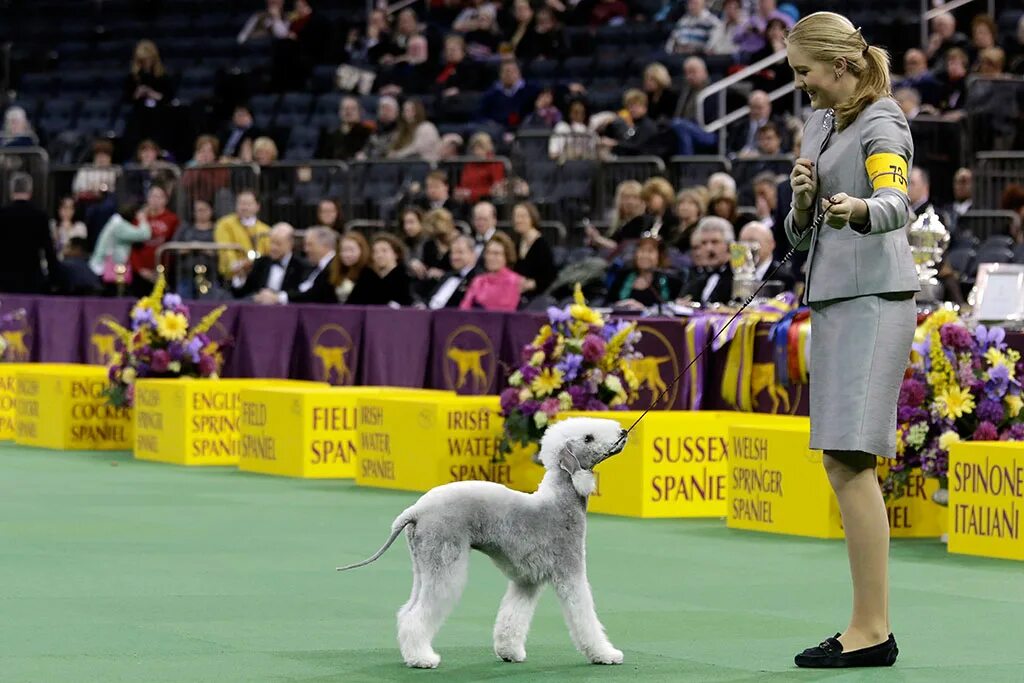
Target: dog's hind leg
586	631
513	622
409	531
440	575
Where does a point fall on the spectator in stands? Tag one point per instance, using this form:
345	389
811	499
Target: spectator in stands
349	138
162	222
414	237
451	288
485	225
722	40
546	40
778	74
658	197
633	133
65	228
17	131
383	136
753	35
909	101
919	191
695	75
320	244
645	284
522	13
944	37
545	114
438	195
27	242
1016	50
413	73
1013	200
417	137
692	32
607	12
264	152
662	100
573	137
713	282
201	230
304	45
205	183
984	32
484	40
328	213
75	277
721	182
265	24
457	73
724	204
963	194
510	99
691	206
991	62
762	235
766	198
743	134
536	260
918	76
469	18
246	230
148	88
93	182
354	257
627	219
280	270
109	259
498	287
239	134
769	143
376	42
440	230
478	178
386	281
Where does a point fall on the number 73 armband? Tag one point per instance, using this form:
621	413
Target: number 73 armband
887	170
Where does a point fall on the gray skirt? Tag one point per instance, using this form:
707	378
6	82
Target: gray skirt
860	349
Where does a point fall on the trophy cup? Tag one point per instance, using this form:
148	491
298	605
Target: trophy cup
929	239
743	261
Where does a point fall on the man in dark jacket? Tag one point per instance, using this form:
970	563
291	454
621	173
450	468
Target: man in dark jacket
279	271
25	236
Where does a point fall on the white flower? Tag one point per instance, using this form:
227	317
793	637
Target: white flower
515	379
613	384
174	366
564	401
128	375
540	418
916	435
948	439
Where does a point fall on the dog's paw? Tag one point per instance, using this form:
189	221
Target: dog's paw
510	653
429	660
606	656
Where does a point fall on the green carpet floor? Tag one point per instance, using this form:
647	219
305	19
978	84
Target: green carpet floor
117	570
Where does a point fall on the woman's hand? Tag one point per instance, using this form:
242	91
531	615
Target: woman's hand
804	185
842	209
418	269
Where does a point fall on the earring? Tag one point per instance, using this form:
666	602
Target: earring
838	75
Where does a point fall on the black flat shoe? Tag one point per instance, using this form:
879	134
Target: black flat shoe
829	655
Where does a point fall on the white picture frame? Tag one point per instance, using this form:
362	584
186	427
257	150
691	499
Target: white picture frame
999	292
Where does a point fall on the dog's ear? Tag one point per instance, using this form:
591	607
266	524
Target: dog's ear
582	480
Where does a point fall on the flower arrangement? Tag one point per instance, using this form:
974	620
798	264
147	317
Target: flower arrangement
160	344
7	321
961	385
578	361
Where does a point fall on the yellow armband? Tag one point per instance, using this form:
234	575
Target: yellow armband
887	170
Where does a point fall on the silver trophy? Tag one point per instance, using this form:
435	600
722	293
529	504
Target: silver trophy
929	239
743	261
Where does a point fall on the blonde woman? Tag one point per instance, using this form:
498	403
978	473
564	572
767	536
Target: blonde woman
658	196
860	287
691	205
627	217
661	98
148	88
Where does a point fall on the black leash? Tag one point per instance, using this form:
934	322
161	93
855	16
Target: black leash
813	229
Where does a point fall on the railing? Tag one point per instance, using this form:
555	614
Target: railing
719	90
929	14
390	7
197	258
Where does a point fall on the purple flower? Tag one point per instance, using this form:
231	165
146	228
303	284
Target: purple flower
527	353
171	300
965	372
570	366
549	345
528	408
922	347
1014	433
612	329
906	414
161	359
594	405
141	317
912	392
558	315
550	406
207	365
193	348
956	336
991	410
990	337
176	350
509	400
593	348
530	373
986	431
579	396
112	372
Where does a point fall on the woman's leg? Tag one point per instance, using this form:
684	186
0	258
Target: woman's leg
853	478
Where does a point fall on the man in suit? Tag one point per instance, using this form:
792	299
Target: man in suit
710	250
742	135
280	270
26	239
321	246
452	287
485	224
758	232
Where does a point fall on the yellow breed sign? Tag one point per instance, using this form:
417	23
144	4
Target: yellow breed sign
415	443
62	406
8	397
303	431
191	421
986	497
777	485
674	465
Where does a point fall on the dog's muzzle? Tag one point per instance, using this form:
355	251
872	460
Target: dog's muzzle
616	448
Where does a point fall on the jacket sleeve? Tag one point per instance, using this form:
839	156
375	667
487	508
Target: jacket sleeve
889	150
796	236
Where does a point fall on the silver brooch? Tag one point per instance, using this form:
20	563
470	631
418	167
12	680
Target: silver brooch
826	123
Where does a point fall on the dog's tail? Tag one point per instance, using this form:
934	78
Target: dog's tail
403	521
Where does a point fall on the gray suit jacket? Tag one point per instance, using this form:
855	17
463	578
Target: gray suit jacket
876	259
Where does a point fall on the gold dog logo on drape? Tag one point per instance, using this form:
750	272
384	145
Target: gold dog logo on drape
17	345
102	348
656	369
469	360
331	346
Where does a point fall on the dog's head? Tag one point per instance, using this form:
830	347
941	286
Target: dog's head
579	444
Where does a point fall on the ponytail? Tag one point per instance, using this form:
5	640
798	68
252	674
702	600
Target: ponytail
873	83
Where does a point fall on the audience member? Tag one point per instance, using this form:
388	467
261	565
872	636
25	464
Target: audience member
498	287
27	243
279	271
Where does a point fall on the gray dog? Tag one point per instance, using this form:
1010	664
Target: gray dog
534	539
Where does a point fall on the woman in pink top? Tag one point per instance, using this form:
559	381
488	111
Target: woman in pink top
499	288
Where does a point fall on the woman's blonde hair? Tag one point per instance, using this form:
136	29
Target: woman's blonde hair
439	225
826	37
658	186
146	49
659	74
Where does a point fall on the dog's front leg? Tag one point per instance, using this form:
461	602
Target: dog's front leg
586	631
514	621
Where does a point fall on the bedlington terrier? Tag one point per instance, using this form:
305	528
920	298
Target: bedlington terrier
534	539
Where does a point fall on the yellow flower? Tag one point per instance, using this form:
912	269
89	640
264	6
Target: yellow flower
586	315
941	317
577	295
172	326
540	418
900	443
543	335
613	384
631	380
1013	405
996	357
948	439
537	358
564	401
515	379
954	402
548	381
